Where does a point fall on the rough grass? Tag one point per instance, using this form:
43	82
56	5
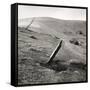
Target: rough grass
35	48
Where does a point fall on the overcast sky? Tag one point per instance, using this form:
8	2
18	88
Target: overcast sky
25	11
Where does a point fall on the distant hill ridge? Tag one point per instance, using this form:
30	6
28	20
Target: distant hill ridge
53	26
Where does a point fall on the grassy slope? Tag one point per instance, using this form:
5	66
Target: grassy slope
36	45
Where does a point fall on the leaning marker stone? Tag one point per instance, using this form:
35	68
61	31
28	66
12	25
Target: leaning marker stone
55	52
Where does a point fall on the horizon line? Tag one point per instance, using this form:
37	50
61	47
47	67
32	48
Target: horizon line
53	18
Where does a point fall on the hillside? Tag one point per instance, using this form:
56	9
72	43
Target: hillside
37	43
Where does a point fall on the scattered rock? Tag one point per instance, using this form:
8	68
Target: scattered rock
33	37
57	37
75	42
79	32
76	72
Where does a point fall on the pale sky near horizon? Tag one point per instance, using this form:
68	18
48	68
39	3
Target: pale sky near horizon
25	11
